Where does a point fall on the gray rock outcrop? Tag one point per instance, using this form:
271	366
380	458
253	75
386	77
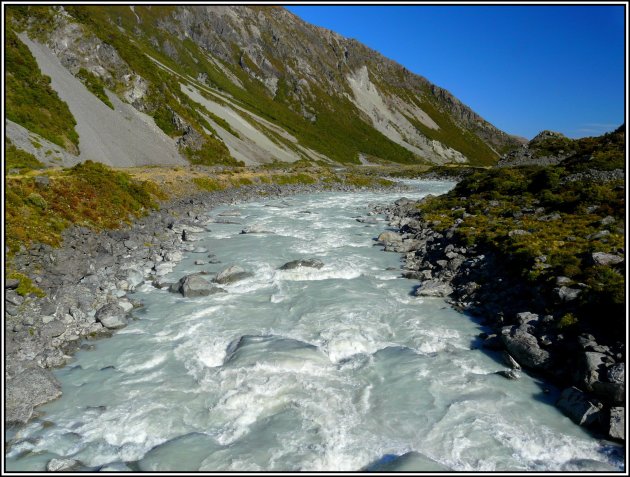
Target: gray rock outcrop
30	388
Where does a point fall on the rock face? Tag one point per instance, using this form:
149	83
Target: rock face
30	388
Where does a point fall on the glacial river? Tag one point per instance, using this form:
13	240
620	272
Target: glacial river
339	368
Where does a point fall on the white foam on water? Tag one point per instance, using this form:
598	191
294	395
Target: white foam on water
132	366
131	331
326	273
538	446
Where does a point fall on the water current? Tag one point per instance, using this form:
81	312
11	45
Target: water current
338	368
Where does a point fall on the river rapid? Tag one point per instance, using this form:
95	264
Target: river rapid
338	368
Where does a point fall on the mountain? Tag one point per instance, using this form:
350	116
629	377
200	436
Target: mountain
225	84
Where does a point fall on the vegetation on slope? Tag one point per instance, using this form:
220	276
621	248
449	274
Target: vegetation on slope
89	194
337	132
547	222
31	101
95	85
19	160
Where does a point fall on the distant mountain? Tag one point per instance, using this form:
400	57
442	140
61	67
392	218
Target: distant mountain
226	84
551	148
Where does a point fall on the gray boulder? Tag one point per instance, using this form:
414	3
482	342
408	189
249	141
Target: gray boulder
309	262
389	237
527	318
231	274
11	283
567	294
193	286
111	316
52	329
32	387
62	465
403	247
601	258
134	277
574	404
592	363
434	288
524	347
617	422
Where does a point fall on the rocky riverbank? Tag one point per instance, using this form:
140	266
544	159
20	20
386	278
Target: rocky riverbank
476	281
89	283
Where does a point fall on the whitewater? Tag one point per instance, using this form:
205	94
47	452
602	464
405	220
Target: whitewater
338	368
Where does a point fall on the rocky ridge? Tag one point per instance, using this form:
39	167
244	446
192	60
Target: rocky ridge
475	281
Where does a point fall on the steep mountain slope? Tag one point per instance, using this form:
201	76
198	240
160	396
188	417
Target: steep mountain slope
258	84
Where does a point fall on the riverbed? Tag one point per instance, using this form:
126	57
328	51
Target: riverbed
336	368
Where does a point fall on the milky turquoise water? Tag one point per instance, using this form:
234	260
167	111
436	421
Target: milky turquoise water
305	369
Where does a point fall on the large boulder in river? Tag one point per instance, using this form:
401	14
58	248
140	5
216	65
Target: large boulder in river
574	404
306	262
524	347
111	316
28	389
194	286
231	274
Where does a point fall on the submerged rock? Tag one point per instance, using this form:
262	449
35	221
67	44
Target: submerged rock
256	229
307	262
408	462
509	374
231	274
195	286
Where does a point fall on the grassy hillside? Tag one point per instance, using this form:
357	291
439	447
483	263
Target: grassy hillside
31	101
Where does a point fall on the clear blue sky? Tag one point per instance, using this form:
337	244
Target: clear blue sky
523	68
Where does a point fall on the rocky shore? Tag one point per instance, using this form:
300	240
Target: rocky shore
475	281
89	283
